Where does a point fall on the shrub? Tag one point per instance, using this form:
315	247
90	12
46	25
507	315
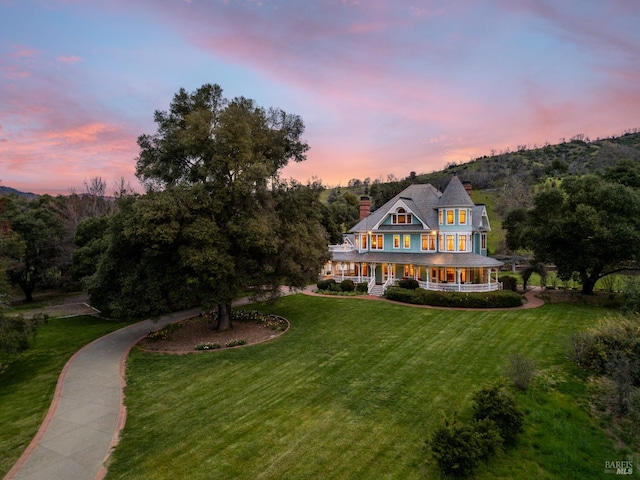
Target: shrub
594	348
347	285
17	333
408	283
456	447
325	284
509	283
236	342
207	346
420	296
164	333
520	370
362	287
494	403
459	447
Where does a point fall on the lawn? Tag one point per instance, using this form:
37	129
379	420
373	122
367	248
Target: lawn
28	380
352	391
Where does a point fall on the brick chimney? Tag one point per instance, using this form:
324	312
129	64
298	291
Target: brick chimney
467	187
365	207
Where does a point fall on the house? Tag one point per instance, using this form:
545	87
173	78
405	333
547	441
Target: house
437	238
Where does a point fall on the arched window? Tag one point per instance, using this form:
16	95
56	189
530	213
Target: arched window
401	217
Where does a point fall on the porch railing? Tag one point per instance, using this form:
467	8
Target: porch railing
461	287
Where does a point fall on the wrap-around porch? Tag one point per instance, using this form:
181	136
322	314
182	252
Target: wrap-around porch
379	276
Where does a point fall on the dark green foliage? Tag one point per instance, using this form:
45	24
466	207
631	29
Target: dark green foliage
590	227
31	242
216	222
325	284
347	285
509	283
340	215
362	287
17	333
456	447
496	404
92	242
420	296
408	283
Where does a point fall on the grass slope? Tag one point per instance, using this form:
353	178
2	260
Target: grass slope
352	391
28	380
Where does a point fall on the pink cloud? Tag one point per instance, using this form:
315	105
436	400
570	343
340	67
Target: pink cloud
70	60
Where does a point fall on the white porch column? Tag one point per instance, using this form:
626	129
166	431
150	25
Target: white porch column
458	278
488	270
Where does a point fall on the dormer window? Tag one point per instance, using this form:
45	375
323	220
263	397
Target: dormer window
401	217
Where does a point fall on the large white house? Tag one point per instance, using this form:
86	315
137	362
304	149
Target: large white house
437	238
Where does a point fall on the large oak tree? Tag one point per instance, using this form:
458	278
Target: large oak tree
589	227
217	221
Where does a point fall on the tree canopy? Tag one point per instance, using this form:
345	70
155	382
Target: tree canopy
31	242
217	221
589	227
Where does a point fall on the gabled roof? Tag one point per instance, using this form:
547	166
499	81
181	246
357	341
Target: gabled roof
420	199
455	195
478	213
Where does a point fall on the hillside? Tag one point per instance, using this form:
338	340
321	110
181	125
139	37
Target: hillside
12	191
522	169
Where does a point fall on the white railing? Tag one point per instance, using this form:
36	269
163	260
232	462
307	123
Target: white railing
461	287
372	283
343	247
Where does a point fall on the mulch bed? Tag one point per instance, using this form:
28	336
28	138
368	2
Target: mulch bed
196	331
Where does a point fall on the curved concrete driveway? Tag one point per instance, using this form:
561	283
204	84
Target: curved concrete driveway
87	413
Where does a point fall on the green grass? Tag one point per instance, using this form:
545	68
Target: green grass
352	391
28	380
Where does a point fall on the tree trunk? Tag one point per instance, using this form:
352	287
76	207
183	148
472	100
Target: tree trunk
588	285
224	316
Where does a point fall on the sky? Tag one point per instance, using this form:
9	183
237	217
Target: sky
384	87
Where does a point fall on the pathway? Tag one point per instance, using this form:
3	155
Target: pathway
87	412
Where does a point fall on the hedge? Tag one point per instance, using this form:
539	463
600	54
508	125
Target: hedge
420	296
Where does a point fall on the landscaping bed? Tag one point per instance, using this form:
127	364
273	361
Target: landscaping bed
199	333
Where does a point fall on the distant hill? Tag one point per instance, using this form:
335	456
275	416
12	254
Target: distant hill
12	191
523	168
531	166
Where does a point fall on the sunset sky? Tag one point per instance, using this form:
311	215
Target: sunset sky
383	86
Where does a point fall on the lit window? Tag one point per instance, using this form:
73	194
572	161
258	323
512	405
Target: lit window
451	241
450	217
407	241
463	217
364	242
396	241
377	242
462	243
440	217
409	271
401	217
428	242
